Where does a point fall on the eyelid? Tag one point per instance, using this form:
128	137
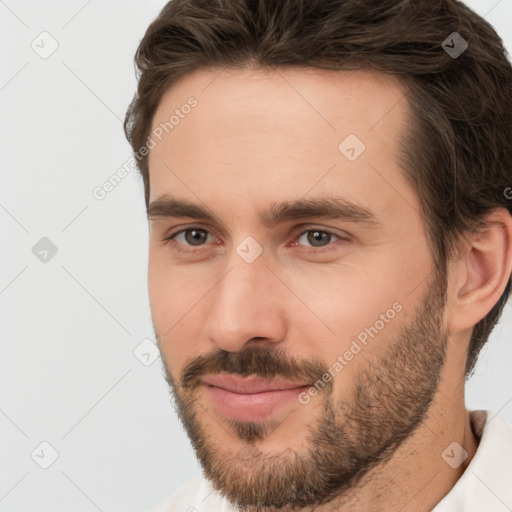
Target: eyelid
172	236
332	245
304	228
297	232
309	230
180	229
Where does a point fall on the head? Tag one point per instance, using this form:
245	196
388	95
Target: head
342	181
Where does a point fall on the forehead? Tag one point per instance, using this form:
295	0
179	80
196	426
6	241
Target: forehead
282	131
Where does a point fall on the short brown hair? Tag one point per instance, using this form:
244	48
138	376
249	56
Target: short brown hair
457	150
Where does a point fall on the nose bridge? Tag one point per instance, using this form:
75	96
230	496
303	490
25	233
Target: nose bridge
244	304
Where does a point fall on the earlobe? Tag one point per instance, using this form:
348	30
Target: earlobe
485	269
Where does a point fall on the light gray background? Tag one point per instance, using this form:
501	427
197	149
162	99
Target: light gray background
69	326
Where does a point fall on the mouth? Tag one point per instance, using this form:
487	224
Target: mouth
251	398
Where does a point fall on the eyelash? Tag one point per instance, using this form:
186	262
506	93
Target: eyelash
315	250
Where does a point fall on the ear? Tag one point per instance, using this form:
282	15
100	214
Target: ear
479	277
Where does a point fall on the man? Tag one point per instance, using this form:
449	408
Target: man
327	185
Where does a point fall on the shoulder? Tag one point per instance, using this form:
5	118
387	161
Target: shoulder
195	495
485	484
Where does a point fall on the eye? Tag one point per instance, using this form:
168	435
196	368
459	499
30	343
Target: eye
317	238
197	237
191	236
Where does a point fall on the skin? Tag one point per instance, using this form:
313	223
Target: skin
257	137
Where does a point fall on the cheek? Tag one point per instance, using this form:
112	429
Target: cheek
177	297
168	304
345	299
159	290
353	313
170	287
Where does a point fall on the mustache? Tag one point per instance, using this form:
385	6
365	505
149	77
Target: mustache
258	361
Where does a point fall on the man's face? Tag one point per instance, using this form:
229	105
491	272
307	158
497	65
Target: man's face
277	297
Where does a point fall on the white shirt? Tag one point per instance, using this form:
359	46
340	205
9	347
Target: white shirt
485	485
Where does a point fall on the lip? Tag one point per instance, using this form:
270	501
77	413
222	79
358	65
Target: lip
251	384
250	398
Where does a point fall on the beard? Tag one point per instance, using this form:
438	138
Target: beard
390	398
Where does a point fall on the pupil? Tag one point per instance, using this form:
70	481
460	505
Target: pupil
317	236
197	236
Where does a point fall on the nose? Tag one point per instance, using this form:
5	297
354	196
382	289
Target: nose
247	306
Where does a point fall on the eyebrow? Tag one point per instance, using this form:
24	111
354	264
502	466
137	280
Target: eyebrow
326	207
